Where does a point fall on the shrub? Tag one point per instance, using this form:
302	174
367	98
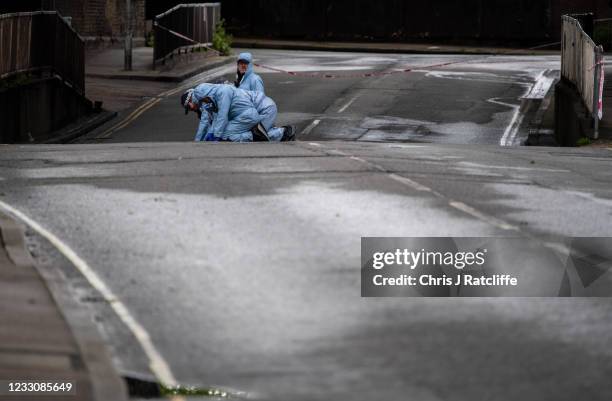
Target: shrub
222	41
584	141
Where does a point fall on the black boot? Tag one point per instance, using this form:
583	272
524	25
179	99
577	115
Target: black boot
259	134
289	134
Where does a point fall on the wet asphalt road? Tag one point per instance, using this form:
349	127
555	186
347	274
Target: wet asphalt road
242	263
465	99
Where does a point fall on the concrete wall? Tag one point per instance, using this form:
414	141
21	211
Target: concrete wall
572	119
32	111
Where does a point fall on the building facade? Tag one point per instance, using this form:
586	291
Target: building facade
92	19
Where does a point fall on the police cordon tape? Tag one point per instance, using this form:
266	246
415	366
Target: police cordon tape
360	75
397	70
354	75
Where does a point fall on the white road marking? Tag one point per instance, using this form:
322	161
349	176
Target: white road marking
157	363
537	91
495	101
541	87
481	216
512	129
464	76
346	106
406	146
133	115
412	184
591	197
359	159
310	127
423	188
486	166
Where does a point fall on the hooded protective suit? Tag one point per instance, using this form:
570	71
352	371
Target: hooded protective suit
249	81
266	107
233	114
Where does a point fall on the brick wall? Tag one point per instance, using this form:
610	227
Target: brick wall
103	18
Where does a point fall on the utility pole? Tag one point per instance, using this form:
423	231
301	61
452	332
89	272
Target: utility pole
128	36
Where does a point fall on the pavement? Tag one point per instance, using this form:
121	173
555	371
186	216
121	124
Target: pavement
109	64
42	337
241	262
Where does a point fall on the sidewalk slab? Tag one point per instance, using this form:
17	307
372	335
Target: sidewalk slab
108	64
370	47
36	340
81	127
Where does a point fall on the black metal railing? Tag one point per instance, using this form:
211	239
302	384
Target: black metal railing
41	41
184	27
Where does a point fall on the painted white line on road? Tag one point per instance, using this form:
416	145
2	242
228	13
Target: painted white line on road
481	216
310	127
541	83
359	159
512	129
464	76
541	87
123	122
591	197
406	146
486	166
150	105
346	106
412	184
423	188
157	363
495	101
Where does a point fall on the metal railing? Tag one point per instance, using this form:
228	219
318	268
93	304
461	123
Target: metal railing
582	65
184	27
41	41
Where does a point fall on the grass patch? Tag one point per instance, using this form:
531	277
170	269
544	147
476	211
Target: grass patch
192	391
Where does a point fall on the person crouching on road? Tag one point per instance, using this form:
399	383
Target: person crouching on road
230	114
246	78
